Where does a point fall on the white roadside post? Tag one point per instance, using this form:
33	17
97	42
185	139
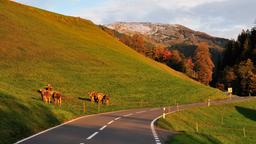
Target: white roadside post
164	113
209	102
230	91
244	132
177	107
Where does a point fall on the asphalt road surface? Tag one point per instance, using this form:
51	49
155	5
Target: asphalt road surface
122	127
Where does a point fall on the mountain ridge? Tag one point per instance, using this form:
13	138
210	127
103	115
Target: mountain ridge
168	33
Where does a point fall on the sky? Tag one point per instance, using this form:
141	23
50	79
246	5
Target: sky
222	18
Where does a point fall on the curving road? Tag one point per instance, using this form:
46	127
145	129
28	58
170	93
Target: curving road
121	127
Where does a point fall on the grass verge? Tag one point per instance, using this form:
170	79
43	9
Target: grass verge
229	124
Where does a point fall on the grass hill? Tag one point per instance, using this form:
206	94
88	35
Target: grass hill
216	124
75	56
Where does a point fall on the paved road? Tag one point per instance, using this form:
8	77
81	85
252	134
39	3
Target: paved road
121	127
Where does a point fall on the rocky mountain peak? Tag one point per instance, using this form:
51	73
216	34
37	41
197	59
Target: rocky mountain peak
167	34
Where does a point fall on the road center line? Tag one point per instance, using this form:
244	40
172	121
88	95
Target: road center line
128	115
140	112
117	118
102	128
91	136
153	109
110	122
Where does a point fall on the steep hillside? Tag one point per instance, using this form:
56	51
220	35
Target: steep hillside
75	56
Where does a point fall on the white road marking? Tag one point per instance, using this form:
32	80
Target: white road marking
110	122
152	125
103	127
91	136
63	125
117	118
128	115
49	129
81	143
153	109
140	112
153	129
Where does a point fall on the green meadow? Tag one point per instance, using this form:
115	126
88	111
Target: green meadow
229	124
38	47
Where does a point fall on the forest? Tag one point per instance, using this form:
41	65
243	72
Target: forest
238	68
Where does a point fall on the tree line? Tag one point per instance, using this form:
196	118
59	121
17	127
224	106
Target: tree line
238	68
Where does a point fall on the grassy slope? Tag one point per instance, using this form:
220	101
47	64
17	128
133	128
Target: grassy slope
212	129
38	47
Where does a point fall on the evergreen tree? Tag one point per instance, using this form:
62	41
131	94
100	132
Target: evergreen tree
229	76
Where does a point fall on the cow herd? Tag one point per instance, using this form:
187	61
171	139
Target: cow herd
47	94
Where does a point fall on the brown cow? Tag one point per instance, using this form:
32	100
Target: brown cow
106	100
48	87
98	97
57	98
46	95
92	96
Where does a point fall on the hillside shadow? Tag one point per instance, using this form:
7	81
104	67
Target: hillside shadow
247	112
193	139
20	119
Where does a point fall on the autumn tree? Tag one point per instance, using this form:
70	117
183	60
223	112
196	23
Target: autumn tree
189	67
244	72
138	43
159	53
167	55
203	63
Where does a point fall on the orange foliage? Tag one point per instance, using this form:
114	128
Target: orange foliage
203	63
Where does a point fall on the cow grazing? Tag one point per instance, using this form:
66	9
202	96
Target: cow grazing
46	95
92	96
57	98
98	97
106	99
